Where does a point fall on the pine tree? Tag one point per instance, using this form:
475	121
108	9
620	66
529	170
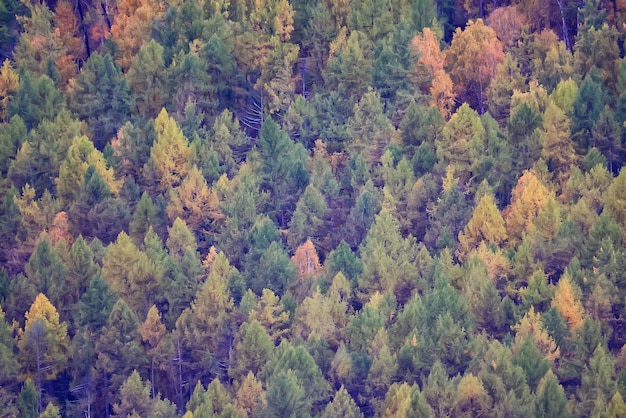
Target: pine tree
387	258
134	398
101	96
551	400
252	350
118	351
147	79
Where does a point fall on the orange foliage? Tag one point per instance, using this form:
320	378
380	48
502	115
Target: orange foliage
132	27
567	303
507	22
307	261
472	59
60	229
67	30
429	73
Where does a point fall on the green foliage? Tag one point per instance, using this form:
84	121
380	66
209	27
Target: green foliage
290	202
102	98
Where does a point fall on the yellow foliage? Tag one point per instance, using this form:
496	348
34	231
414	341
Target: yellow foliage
567	303
527	198
9	83
531	326
486	225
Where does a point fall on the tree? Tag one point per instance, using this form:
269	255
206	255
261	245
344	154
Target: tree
462	142
485	225
170	154
429	73
349	65
128	272
324	315
598	383
370	129
131	28
102	98
567	303
590	101
95	305
528	197
290	372
605	136
147	79
393	63
253	349
551	400
9	84
10	368
270	312
471	398
281	166
80	155
43	343
47	272
508	78
554	136
309	219
118	351
134	398
614	199
286	396
205	326
250	395
472	61
152	333
387	259
196	204
342	405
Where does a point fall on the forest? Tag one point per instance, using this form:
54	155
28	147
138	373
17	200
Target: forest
312	208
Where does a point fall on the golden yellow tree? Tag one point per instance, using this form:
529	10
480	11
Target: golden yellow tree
568	303
195	203
485	225
531	326
44	346
269	313
9	83
527	198
250	396
81	154
133	26
170	154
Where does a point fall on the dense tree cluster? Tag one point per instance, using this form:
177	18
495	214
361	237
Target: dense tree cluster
312	208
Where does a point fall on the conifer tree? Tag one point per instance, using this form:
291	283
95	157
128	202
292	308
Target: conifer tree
551	400
44	346
101	96
128	272
170	154
118	352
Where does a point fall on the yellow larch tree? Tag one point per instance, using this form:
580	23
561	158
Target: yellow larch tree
44	346
170	153
9	83
567	303
195	203
531	326
485	225
527	198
